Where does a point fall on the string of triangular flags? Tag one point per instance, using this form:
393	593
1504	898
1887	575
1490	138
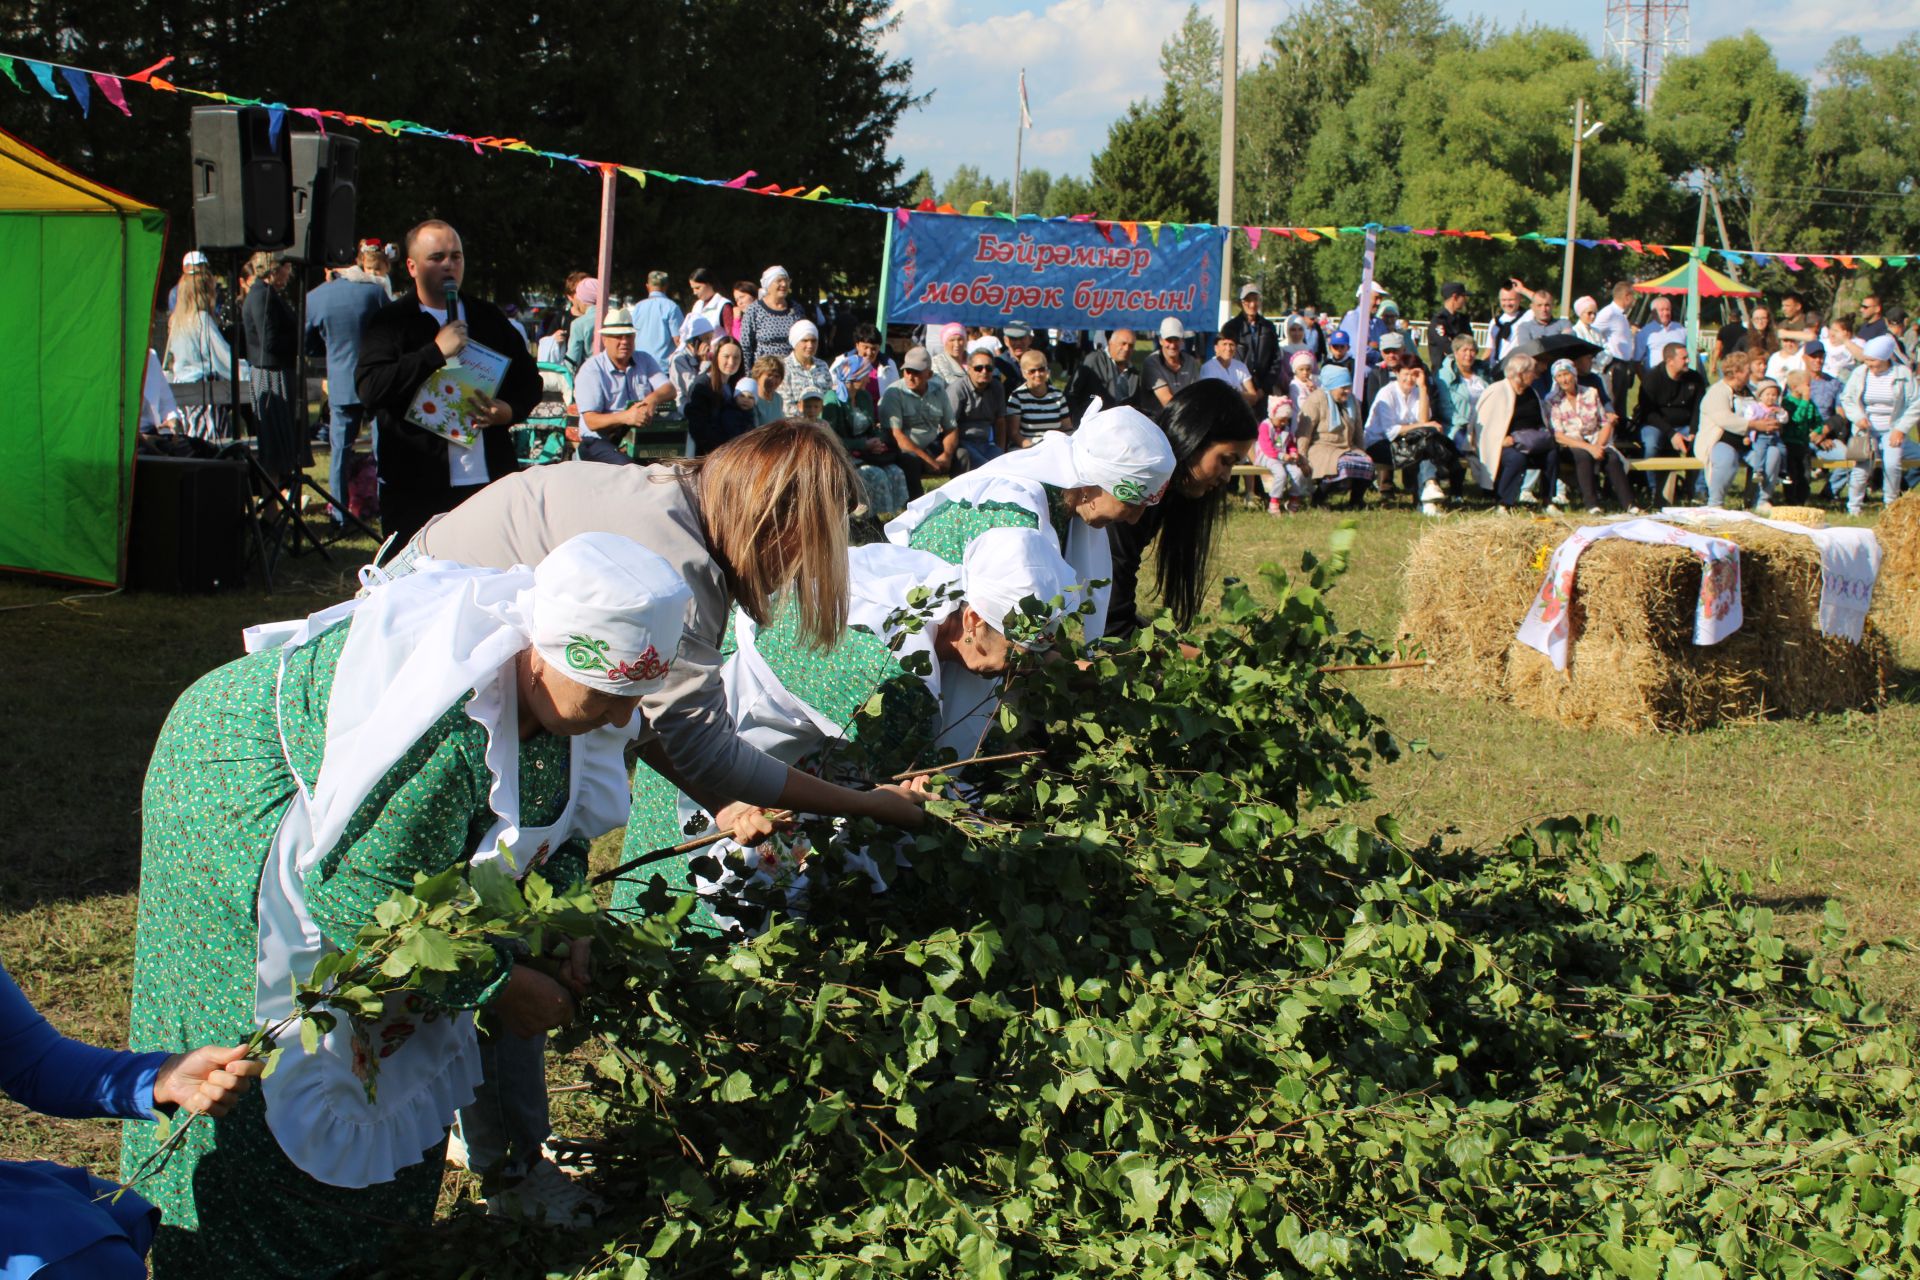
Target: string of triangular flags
81	82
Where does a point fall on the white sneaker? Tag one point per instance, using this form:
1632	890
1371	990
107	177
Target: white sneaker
1433	492
1528	498
1634	511
548	1196
1553	508
1561	498
1433	509
1595	511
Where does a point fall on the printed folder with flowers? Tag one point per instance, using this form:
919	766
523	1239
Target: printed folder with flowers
458	392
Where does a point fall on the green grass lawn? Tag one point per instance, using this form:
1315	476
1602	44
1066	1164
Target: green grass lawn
88	685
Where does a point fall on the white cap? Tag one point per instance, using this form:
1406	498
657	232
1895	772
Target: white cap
1003	567
747	387
696	327
194	258
1122	451
803	329
1379	294
608	613
1172	328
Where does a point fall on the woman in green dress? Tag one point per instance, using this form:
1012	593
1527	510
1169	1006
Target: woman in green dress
1109	470
800	704
450	717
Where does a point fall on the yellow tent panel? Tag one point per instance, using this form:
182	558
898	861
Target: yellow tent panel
33	183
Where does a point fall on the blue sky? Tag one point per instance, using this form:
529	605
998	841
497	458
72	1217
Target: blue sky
1087	59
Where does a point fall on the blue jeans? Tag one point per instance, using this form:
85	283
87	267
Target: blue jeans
1767	459
979	450
343	428
1894	461
1723	464
506	1123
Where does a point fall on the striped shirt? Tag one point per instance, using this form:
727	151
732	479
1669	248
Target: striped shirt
1039	414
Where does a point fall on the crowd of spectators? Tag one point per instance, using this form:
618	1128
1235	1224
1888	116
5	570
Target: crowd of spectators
1486	409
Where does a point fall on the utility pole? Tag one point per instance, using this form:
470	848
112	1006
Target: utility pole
1720	221
604	260
1693	276
1229	91
1019	141
1573	207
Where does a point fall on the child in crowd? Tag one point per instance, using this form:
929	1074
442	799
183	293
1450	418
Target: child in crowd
1766	448
1822	443
1277	451
1036	404
1784	361
746	395
768	374
886	487
1801	433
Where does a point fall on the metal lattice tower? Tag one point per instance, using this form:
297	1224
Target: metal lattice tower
1642	34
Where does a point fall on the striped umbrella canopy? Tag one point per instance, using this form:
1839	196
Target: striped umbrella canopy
1681	280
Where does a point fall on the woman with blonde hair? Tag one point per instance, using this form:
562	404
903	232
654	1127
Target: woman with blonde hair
758	525
198	353
762	517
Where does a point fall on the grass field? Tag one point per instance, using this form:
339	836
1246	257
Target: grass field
88	684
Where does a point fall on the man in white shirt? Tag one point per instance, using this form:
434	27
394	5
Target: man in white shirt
1500	329
1615	323
1650	344
1226	367
618	388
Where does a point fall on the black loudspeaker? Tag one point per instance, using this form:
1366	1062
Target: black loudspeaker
189	524
242	198
325	171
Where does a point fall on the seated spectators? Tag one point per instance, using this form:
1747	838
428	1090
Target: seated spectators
1583	426
980	409
1277	450
920	420
1766	444
768	373
716	411
1404	430
1514	435
1036	406
1327	435
1723	426
1463	379
1170	368
1667	414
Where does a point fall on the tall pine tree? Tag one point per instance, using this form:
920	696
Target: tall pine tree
1154	166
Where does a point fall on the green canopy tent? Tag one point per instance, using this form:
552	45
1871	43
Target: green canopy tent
79	264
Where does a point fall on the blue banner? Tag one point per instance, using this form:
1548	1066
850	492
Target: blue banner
1052	275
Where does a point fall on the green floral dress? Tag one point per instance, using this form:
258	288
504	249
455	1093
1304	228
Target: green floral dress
837	684
951	526
216	791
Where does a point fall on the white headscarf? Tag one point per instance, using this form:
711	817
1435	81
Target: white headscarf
604	610
1003	568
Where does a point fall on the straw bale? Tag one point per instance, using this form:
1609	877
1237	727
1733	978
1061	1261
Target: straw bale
1467	584
1896	597
1812	517
1633	665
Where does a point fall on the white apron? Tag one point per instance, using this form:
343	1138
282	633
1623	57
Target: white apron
415	649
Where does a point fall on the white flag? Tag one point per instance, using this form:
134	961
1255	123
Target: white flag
1026	116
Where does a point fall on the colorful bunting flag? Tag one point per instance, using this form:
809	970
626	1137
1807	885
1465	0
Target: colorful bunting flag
6	68
44	74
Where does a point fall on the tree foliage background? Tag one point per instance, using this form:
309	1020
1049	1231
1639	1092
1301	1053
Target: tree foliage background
798	89
1388	111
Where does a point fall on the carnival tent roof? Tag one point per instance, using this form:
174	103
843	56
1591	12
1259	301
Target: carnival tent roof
1712	283
78	267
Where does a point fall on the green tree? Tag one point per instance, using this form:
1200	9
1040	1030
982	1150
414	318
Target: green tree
1190	63
1067	196
526	221
1153	166
968	185
921	188
1733	110
1035	186
1863	146
1499	159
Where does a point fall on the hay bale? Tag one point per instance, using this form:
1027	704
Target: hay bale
1634	667
1812	517
1466	585
1896	597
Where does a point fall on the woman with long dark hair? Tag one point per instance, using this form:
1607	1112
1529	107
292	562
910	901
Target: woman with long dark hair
1211	430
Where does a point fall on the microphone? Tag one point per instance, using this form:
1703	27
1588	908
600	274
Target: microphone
453	301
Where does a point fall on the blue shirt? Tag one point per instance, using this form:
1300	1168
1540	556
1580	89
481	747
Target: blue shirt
656	326
1824	392
1650	347
601	388
337	311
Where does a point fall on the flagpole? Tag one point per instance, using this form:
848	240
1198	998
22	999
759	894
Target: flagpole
1019	140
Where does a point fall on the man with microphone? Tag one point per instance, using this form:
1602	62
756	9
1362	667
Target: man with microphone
405	343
